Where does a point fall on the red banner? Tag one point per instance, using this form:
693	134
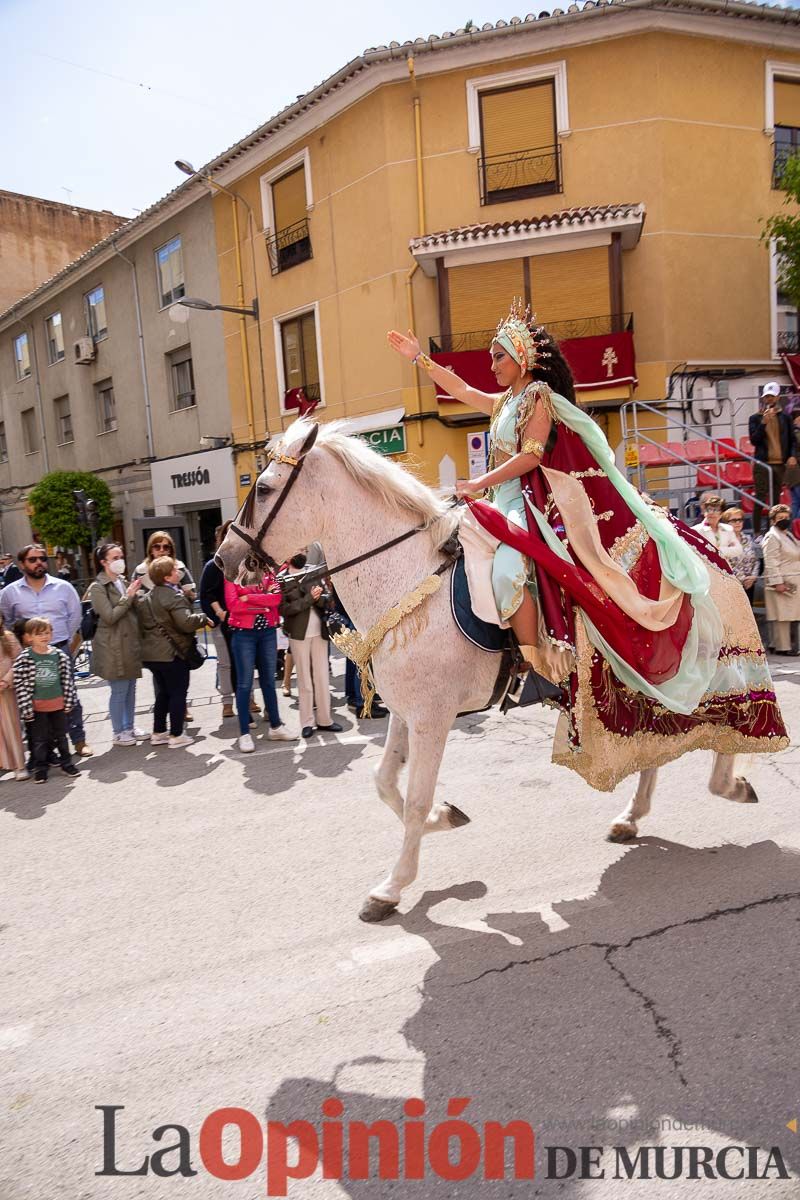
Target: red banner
792	364
605	360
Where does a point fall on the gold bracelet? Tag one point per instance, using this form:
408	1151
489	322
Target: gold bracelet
531	446
422	360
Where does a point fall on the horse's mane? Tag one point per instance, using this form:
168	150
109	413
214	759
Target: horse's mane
391	482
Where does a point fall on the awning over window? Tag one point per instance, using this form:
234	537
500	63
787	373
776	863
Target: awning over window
603	361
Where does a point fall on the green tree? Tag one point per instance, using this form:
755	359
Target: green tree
53	513
784	228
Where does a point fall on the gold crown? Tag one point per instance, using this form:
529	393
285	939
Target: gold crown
528	339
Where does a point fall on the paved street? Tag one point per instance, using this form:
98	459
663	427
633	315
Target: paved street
180	934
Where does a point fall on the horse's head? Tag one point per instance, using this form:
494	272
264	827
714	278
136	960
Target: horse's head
282	511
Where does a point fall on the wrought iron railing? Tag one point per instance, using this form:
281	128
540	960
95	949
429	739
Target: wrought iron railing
289	246
787	143
576	327
535	172
788	343
312	392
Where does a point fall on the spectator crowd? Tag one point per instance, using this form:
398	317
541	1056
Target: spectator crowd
146	620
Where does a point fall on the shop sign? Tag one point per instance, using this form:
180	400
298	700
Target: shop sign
245	480
391	440
192	478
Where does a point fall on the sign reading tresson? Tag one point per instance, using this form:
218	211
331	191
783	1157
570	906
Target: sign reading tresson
391	440
193	479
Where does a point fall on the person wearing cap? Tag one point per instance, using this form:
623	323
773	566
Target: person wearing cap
772	434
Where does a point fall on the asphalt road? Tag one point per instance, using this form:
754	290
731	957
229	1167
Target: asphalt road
180	934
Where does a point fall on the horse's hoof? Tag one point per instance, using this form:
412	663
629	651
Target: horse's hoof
621	832
376	910
750	796
455	816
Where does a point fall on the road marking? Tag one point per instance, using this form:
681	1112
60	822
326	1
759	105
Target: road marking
372	952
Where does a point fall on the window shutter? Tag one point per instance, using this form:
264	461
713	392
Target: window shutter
481	294
787	103
289	199
520	118
570	285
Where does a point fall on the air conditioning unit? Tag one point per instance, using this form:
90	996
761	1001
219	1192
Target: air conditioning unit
85	350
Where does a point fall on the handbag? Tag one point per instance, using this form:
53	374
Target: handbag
193	657
89	621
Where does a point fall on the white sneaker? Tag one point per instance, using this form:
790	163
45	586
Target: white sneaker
137	732
246	744
182	739
281	734
123	739
22	774
159	739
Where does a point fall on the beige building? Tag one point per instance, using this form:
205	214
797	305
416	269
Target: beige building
39	237
612	163
97	375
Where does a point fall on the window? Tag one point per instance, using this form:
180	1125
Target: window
169	268
299	360
286	195
785	317
782	113
22	356
64	433
106	407
55	338
520	155
30	434
3	443
181	379
96	314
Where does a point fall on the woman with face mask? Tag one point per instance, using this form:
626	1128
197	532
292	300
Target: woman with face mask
117	645
781	578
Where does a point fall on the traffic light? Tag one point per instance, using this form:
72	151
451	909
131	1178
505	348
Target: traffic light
81	506
93	514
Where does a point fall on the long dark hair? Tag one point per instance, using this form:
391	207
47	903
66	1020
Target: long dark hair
554	369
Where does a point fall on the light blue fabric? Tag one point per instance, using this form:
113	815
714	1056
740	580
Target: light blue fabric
509	567
56	602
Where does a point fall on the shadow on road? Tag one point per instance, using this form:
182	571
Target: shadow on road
670	995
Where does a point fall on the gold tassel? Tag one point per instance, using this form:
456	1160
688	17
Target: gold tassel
360	648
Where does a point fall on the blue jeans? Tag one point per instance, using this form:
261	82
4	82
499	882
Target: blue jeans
794	492
122	703
253	649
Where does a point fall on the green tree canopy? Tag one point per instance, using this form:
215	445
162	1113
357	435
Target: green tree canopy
53	513
784	228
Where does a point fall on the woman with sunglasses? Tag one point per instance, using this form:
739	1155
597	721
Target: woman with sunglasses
161	545
747	567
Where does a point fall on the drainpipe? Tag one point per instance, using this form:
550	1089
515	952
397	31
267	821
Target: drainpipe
148	415
420	232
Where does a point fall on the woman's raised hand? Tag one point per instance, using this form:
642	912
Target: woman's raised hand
407	345
133	587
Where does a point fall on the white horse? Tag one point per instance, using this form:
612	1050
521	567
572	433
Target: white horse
351	500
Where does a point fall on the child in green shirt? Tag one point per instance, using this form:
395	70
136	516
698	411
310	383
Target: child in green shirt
45	692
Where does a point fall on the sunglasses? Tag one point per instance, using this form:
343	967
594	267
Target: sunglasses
162	545
37	558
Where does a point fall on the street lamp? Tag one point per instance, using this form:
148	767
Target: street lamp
207	306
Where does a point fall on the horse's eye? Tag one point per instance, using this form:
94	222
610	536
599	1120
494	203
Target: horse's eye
263	489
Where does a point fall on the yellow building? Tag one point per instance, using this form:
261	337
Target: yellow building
611	164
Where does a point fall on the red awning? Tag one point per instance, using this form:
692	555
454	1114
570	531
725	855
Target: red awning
604	360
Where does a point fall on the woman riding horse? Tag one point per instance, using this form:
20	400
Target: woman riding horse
666	656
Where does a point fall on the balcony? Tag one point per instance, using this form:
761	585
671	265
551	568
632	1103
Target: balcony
576	327
289	247
787	142
788	342
524	173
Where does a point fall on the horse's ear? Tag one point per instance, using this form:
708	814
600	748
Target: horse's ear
310	439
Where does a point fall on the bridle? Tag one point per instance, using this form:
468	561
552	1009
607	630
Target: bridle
258	559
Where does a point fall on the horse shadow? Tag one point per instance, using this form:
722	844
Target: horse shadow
667	999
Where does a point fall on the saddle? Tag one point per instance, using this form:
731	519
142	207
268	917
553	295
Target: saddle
517	686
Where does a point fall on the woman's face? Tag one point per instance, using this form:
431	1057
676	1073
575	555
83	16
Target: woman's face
737	524
712	516
113	554
505	369
161	548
